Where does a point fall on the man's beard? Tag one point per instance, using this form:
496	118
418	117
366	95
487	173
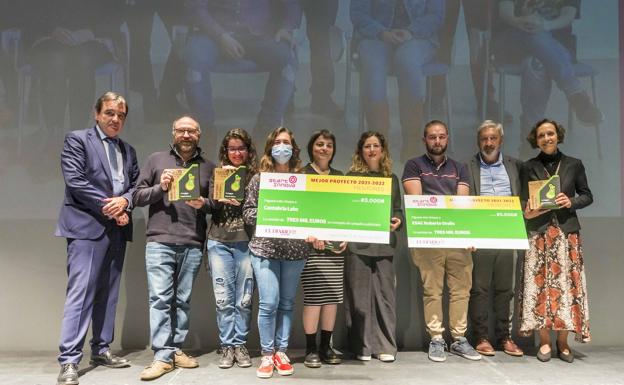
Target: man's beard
186	146
436	150
489	151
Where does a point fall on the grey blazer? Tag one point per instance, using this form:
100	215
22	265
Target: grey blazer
512	166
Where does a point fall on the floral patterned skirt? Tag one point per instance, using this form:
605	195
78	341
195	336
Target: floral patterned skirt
554	290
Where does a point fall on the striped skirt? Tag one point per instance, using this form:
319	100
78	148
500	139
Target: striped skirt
322	280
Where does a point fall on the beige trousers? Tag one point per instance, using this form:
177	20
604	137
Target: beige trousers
434	265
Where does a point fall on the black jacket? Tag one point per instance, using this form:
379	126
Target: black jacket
375	249
573	184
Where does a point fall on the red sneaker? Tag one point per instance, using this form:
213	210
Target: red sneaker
265	370
282	364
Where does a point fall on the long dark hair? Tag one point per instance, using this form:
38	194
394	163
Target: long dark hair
252	158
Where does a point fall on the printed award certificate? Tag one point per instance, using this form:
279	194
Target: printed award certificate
453	221
328	207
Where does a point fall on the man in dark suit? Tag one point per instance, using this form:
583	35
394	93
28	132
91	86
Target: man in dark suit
100	172
492	173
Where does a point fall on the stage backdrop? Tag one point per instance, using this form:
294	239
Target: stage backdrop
35	117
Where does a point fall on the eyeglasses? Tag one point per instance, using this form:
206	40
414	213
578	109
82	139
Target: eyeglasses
237	149
190	131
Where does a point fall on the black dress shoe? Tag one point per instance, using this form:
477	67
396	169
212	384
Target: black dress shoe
68	375
312	360
329	356
109	359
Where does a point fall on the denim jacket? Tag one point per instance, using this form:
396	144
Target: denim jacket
370	17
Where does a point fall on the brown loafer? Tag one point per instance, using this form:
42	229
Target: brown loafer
511	348
485	348
183	360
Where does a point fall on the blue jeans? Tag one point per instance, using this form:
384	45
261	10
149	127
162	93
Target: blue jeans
202	55
544	59
171	270
277	283
232	282
379	59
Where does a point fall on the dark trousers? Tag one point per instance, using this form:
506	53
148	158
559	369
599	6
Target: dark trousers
320	16
67	76
371	304
93	278
475	16
492	270
140	18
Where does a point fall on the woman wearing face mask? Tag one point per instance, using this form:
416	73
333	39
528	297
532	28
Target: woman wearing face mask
370	277
322	277
229	258
277	262
554	292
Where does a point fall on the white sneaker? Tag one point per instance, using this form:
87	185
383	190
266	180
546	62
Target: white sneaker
385	357
363	357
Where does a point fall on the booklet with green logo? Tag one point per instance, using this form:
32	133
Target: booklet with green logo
229	183
185	184
542	193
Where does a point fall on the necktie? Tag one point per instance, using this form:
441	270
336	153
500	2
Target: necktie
112	154
118	179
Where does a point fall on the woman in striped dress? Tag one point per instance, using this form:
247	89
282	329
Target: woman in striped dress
322	276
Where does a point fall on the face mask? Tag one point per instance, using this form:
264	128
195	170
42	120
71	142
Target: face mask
281	153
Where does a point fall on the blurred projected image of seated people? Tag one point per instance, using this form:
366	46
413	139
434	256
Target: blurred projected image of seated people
229	31
70	39
538	34
395	37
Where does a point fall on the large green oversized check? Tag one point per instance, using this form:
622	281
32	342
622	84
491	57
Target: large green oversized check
452	221
328	207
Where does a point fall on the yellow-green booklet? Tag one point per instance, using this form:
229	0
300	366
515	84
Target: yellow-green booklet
229	183
185	184
542	193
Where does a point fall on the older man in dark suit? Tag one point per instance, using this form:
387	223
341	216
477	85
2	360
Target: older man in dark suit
492	173
100	172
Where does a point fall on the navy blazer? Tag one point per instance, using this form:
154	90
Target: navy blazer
88	182
573	184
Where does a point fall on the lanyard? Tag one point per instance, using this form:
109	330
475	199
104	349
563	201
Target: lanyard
556	171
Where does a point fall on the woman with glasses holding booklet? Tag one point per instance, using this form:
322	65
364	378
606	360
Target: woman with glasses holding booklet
228	254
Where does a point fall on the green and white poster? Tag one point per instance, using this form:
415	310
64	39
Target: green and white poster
328	207
483	222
